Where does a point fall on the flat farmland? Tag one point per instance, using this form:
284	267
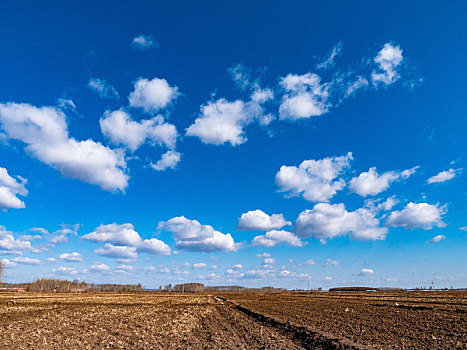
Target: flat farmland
234	321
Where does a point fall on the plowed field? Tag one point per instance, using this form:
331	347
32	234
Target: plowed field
233	321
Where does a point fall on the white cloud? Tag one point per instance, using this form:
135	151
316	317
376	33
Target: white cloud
328	278
169	160
310	262
240	75
123	239
463	228
257	220
45	131
437	238
366	272
388	59
121	129
71	257
102	88
304	96
372	183
314	179
418	215
329	61
117	252
10	188
330	262
116	234
51	260
272	238
199	265
7	263
152	95
192	236
67	270
10	245
222	121
100	267
263	255
25	260
237	267
125	267
443	176
333	220
143	42
355	85
268	261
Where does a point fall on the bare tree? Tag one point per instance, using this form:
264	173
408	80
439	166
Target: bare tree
2	269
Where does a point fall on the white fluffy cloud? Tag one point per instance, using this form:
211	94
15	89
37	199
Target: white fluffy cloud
123	239
27	261
388	59
333	220
121	129
10	245
274	237
169	160
100	267
10	188
102	88
44	130
372	183
143	42
257	220
71	257
223	121
437	238
304	96
366	272
315	180
67	270
152	95
418	215
443	176
117	252
192	236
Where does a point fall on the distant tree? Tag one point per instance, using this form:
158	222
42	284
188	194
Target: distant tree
2	269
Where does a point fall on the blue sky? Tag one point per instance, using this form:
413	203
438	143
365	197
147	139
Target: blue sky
234	142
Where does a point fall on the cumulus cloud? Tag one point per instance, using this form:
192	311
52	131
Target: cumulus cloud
257	220
10	245
315	180
444	176
330	262
199	265
192	236
333	220
143	42
102	88
10	188
387	60
366	272
121	129
67	270
169	160
27	261
223	121
304	96
437	238
71	257
418	215
100	267
44	130
117	252
372	183
123	239
274	237
152	95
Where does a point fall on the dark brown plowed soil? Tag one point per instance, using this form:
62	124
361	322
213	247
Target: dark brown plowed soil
403	320
130	322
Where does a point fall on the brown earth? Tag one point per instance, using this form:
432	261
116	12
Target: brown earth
397	320
250	321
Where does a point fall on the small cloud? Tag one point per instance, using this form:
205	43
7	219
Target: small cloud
437	239
444	176
366	272
144	42
102	88
199	265
330	262
71	257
